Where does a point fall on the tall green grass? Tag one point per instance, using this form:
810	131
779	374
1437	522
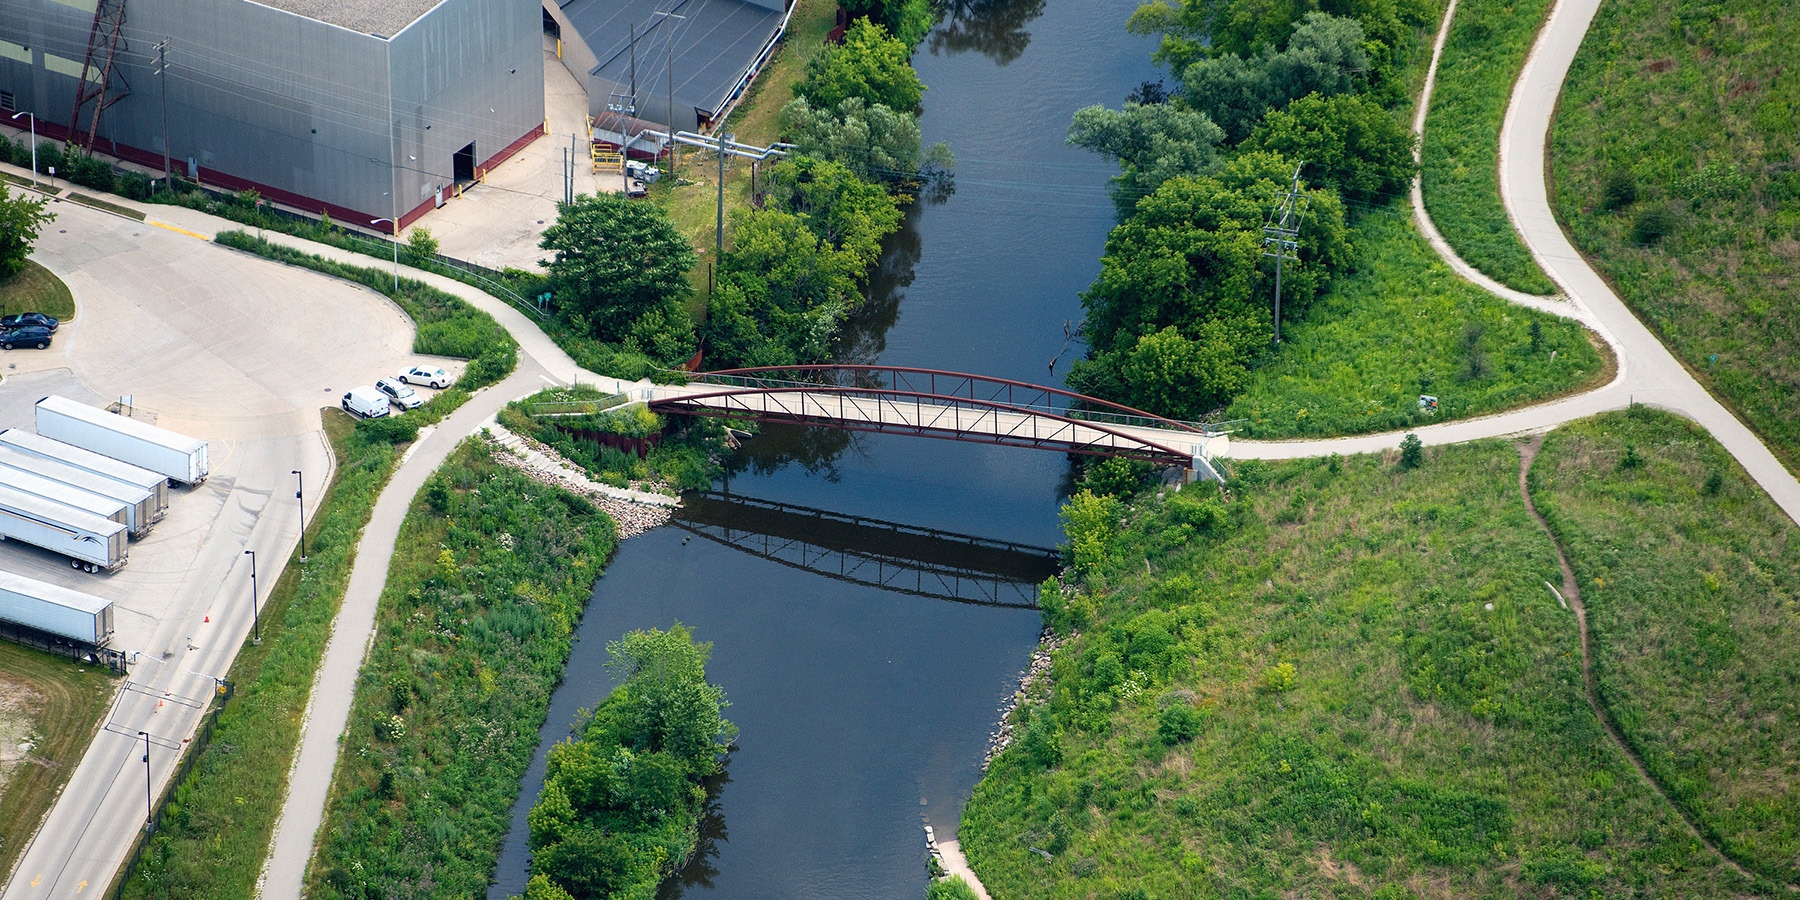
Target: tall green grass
1402	326
1459	171
489	578
1679	119
1337	678
1692	582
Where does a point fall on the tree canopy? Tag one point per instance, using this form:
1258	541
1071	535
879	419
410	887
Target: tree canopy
795	266
868	64
1325	55
620	271
850	214
620	805
21	218
1151	142
1184	298
874	140
1348	142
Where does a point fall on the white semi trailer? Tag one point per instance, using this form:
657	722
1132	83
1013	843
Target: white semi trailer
138	502
57	492
89	541
164	452
87	460
57	610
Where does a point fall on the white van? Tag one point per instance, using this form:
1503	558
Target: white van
366	402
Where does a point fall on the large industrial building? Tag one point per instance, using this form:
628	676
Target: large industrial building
366	109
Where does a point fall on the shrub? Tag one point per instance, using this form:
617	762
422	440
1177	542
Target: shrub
1412	452
1279	679
1651	225
90	171
49	156
1179	722
1618	191
135	185
420	245
390	429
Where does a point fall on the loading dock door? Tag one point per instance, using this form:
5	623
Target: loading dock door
463	164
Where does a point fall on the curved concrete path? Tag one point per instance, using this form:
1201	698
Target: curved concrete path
1647	372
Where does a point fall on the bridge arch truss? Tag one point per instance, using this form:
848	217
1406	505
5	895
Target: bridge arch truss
938	404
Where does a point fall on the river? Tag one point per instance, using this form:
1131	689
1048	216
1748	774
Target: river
866	672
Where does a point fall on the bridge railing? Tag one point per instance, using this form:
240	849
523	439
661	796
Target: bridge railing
1098	416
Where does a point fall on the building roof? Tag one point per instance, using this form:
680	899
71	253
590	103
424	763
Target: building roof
384	18
713	45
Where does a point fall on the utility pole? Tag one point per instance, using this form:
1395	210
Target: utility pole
719	233
670	143
162	75
1281	235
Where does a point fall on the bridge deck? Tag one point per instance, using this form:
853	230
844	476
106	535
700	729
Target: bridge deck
924	415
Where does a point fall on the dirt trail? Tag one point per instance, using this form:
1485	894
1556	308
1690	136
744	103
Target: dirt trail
1571	592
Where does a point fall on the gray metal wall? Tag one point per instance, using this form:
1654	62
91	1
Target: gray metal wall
470	71
294	103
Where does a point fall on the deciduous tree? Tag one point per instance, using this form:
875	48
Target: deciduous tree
872	140
1325	55
1348	142
868	64
21	218
617	263
1152	144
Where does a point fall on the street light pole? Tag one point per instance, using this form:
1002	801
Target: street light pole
396	249
33	116
255	611
300	495
149	802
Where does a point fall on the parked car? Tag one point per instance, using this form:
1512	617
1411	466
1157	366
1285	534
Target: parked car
430	376
25	336
366	402
8	323
401	394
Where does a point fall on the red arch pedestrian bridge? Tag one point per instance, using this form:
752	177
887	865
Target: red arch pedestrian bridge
947	405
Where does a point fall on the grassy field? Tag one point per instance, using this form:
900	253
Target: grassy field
36	289
1339	678
1460	160
1402	326
1692	582
1680	118
489	578
56	704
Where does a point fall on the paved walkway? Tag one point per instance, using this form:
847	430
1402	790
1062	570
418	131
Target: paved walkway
1647	372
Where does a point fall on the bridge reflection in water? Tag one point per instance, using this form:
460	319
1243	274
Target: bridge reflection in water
908	559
